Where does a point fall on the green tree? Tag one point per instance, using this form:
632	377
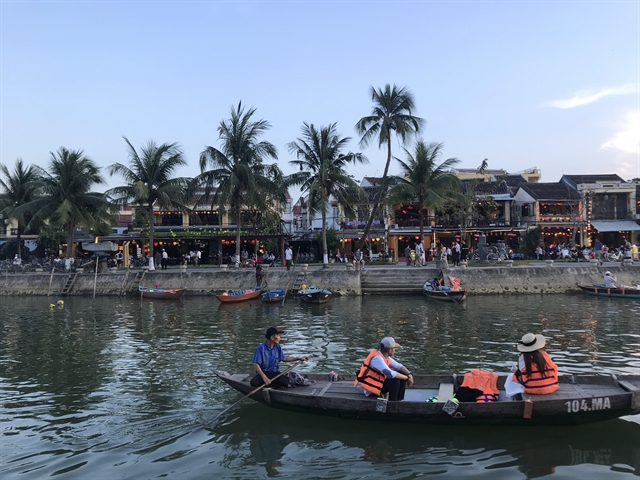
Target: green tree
64	196
149	179
392	112
18	188
424	180
237	175
531	241
323	171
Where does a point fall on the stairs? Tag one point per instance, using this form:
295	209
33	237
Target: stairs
132	281
68	284
298	281
409	280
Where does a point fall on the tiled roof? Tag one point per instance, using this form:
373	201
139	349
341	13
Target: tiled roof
467	171
550	191
575	180
486	188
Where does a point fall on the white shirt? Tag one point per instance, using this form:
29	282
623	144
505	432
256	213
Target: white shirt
165	254
609	281
288	254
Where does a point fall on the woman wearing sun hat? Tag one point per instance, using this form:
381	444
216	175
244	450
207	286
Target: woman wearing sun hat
536	372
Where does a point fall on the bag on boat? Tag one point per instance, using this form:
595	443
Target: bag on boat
297	380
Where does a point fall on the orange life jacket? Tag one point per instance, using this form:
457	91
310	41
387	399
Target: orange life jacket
537	384
370	377
487	382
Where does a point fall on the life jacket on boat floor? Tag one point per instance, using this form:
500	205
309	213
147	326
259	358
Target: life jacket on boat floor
485	382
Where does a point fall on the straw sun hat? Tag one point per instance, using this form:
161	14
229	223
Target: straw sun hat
531	342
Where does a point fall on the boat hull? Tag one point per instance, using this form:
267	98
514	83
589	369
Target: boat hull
250	294
274	296
602	291
449	296
579	400
314	295
162	293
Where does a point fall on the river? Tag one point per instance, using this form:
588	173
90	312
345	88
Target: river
118	388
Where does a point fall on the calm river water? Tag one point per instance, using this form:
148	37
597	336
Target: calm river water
111	388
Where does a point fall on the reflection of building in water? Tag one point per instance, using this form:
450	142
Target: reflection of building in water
268	449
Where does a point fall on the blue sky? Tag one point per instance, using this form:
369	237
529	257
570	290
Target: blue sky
549	84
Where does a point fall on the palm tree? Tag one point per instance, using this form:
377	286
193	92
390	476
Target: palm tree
149	180
423	180
391	112
238	175
323	171
18	189
64	195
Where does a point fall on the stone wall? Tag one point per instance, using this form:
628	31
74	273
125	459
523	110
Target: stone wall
383	280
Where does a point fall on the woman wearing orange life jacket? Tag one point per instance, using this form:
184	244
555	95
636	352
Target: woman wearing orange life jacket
536	371
380	373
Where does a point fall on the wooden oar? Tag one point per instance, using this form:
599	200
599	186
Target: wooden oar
251	393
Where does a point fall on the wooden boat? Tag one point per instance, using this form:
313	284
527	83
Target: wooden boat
443	293
602	291
240	295
166	293
274	295
314	295
580	399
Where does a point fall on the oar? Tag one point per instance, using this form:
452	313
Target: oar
251	393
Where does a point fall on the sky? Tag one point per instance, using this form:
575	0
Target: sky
547	84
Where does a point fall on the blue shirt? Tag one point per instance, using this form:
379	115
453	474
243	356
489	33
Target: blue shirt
268	358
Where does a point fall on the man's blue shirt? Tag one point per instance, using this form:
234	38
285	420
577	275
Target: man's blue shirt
268	358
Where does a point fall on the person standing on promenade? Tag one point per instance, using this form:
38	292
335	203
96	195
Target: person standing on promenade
407	255
165	259
266	359
598	248
380	373
288	256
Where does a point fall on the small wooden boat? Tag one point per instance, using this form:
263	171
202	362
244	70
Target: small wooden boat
166	293
314	295
443	293
240	295
580	399
274	295
602	291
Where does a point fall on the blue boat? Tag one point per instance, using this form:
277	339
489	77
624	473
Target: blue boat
314	295
273	296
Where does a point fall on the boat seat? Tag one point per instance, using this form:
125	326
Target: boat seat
445	393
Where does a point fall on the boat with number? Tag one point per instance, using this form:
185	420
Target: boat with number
580	399
603	291
436	290
314	295
240	295
274	295
166	293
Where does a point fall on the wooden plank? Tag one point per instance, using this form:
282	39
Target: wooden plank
326	387
445	393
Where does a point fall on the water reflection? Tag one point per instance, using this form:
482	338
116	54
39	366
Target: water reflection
116	385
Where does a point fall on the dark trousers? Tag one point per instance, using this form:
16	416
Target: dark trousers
163	262
280	382
289	262
395	387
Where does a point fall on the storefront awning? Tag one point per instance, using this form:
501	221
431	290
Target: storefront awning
615	226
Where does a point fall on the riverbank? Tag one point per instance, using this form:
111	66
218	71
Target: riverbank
394	279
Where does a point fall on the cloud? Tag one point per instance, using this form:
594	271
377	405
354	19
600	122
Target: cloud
586	97
628	138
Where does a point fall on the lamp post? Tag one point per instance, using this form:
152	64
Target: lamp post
341	221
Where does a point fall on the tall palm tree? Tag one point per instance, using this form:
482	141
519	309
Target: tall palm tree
64	196
17	189
238	175
323	171
392	112
149	179
424	180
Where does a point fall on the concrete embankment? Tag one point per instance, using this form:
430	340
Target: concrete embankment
374	280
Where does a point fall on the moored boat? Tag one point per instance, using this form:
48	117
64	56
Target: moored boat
314	295
166	293
240	295
274	295
603	291
580	399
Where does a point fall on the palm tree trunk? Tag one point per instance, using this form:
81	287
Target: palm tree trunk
19	241
152	224
325	255
380	197
69	254
237	228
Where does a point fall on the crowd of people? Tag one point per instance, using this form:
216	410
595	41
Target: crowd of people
571	252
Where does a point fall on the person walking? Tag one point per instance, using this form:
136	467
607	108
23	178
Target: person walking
288	256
